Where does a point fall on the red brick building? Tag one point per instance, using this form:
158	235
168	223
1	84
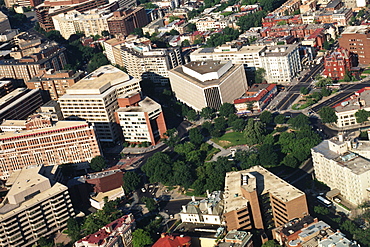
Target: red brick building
356	39
124	21
272	20
337	63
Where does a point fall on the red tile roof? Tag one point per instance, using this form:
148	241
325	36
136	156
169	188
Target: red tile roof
258	97
172	241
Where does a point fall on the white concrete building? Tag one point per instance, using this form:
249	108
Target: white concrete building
343	165
94	98
91	22
206	211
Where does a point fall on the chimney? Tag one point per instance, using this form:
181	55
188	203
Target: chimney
184	208
193	198
340	137
208	195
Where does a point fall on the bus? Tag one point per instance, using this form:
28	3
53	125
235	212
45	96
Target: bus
324	201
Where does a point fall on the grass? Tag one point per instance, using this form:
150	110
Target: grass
367	71
227	13
230	139
363	76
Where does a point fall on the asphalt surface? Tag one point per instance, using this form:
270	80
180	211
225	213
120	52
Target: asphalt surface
287	101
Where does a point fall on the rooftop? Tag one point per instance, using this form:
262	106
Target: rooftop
145	105
362	29
357	101
337	239
279	50
236	239
99	81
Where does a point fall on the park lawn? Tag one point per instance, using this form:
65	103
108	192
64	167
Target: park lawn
230	139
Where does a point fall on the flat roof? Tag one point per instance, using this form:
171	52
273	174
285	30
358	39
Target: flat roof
362	29
279	50
357	101
179	72
355	163
145	105
99	81
56	126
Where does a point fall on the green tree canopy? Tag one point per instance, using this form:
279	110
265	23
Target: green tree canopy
321	210
185	43
266	117
279	119
131	181
271	243
141	238
290	161
195	136
254	132
323	82
238	125
327	115
260	74
172	137
267	156
149	203
98	163
158	168
304	90
226	109
362	116
207	113
299	121
74	229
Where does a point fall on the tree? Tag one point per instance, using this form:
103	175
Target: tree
185	43
174	32
323	82
207	113
260	74
43	242
347	76
149	203
327	115
182	174
304	90
138	31
238	125
74	229
300	121
220	124
195	136
172	137
141	238
131	181
227	109
321	210
191	27
192	115
290	161
98	163
325	91
271	243
266	117
326	45
267	156
97	60
362	116
253	132
105	33
158	168
279	119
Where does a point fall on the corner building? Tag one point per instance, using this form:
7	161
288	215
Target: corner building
208	83
257	199
94	99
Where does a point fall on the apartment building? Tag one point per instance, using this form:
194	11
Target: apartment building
343	165
116	233
56	82
256	98
142	61
257	199
346	109
337	63
50	8
355	39
113	50
36	206
29	55
39	141
4	23
20	103
141	120
124	21
205	211
94	99
210	23
208	83
90	22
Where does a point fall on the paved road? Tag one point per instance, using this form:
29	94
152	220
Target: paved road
287	101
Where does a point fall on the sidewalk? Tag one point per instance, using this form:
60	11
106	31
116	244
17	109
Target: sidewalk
136	150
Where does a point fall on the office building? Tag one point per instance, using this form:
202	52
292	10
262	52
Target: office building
94	98
142	61
256	98
55	82
51	110
4	23
257	199
36	206
116	233
124	21
343	166
141	120
355	39
113	50
39	141
90	22
209	83
346	109
337	63
281	63
20	103
206	211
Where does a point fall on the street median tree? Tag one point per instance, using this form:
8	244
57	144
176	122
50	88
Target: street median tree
327	115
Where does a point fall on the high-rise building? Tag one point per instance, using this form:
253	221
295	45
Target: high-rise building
257	199
356	39
39	141
20	103
36	206
141	120
56	82
116	233
343	166
209	83
124	21
94	98
141	61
